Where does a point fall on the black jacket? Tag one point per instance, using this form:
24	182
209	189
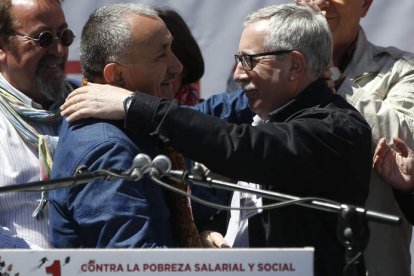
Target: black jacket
316	145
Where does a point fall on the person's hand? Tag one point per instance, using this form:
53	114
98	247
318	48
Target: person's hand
331	75
395	167
213	240
100	101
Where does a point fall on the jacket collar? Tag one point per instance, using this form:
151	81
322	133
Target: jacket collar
362	61
315	94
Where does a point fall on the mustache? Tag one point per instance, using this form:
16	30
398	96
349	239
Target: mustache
168	77
247	86
51	60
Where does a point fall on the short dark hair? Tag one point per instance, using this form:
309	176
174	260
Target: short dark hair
6	18
106	36
184	45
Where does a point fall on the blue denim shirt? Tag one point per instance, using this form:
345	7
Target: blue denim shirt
233	108
115	213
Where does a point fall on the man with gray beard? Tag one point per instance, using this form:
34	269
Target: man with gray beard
34	40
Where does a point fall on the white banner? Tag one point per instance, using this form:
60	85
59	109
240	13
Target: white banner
217	25
231	262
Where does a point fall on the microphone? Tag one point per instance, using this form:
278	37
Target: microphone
140	166
199	171
161	164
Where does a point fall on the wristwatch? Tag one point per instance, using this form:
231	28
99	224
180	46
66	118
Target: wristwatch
127	102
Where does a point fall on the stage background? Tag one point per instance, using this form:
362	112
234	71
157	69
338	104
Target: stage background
217	24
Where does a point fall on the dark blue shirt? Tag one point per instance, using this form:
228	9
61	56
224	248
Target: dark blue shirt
233	108
116	213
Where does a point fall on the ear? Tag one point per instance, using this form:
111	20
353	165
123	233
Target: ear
365	7
2	48
113	74
297	65
2	55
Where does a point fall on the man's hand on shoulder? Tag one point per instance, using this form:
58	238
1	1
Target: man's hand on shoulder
100	101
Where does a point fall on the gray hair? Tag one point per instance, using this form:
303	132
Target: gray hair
299	28
106	36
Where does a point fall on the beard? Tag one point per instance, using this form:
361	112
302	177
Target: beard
52	90
51	86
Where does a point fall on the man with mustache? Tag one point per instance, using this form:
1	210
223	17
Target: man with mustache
34	40
305	140
125	45
378	82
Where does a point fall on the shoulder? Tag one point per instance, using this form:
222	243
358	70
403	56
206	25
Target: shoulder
341	107
92	131
95	144
401	59
391	51
73	83
337	113
348	119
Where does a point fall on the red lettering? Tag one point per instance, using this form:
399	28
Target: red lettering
54	268
134	268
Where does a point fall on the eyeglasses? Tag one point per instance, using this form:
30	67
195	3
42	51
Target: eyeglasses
247	60
45	39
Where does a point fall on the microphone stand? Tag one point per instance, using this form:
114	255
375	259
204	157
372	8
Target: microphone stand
353	233
352	226
82	176
140	165
327	205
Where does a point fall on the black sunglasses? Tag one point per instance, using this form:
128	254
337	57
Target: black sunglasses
45	39
247	60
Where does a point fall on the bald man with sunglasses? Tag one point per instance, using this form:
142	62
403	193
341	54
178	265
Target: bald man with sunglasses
34	40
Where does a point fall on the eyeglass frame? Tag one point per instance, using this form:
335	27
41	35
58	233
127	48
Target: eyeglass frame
37	39
239	57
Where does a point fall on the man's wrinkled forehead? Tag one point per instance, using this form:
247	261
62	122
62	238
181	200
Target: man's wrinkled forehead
22	2
28	2
25	2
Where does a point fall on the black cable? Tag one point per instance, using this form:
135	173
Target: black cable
225	207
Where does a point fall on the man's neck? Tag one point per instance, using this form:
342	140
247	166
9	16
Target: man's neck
46	104
40	99
343	51
36	98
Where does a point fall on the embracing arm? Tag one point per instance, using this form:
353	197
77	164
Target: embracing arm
106	102
270	150
100	101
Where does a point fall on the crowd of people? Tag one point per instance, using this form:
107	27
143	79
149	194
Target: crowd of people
286	130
